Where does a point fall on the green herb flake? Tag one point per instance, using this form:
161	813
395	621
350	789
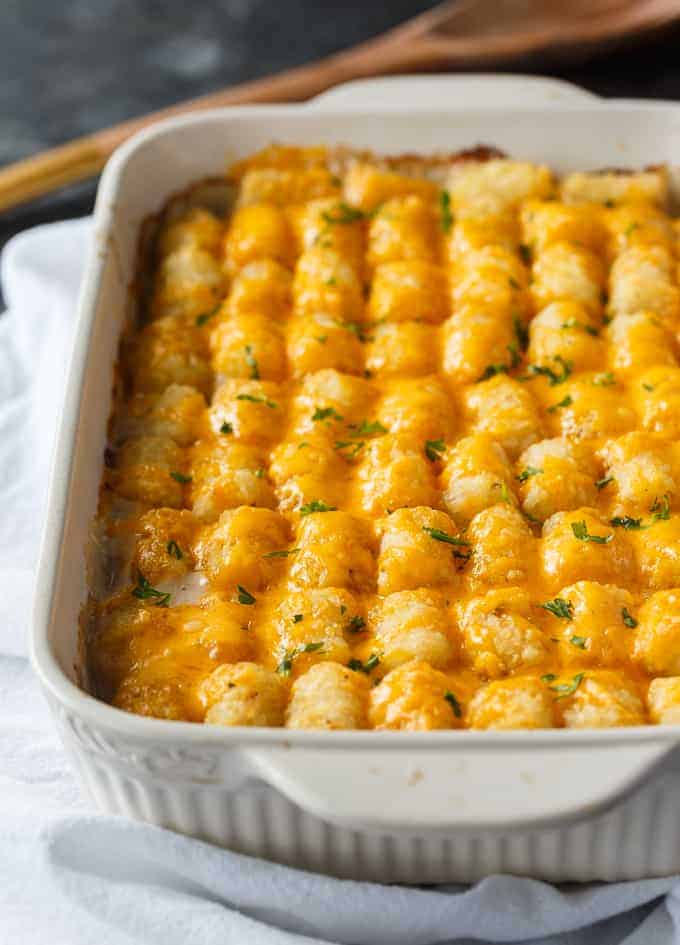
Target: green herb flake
206	316
604	380
575	323
446	216
565	402
580	530
326	413
521	332
257	399
554	377
628	619
434	449
356	624
366	428
226	428
559	607
174	549
491	370
180	477
579	642
548	677
251	361
349	449
631	228
661	509
513	283
454	703
316	505
625	521
342	215
525	253
528	473
322	339
567	689
648	387
145	591
285	666
244	596
298	618
439	535
602	483
366	667
284	553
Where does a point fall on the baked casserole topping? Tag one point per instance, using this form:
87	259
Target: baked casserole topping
397	445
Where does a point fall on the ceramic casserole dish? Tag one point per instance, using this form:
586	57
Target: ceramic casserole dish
387	806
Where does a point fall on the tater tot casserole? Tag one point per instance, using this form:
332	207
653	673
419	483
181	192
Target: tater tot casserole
396	445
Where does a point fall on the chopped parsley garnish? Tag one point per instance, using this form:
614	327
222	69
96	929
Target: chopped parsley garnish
366	667
446	218
565	689
298	618
649	387
513	283
257	399
145	591
601	483
505	493
625	521
661	509
629	620
559	607
281	554
226	428
548	677
322	339
580	530
259	473
604	380
575	323
521	332
286	663
579	642
343	214
180	477
565	402
454	703
630	229
528	473
244	596
366	428
356	329
491	370
174	549
251	361
554	377
525	253
439	535
356	624
349	448
316	505
326	413
206	316
433	449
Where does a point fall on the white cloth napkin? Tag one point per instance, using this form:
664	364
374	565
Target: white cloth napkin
71	876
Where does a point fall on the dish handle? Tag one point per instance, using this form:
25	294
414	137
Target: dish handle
501	786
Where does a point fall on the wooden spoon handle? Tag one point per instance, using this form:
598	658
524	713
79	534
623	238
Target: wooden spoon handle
85	157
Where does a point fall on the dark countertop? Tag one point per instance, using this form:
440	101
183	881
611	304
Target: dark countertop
80	65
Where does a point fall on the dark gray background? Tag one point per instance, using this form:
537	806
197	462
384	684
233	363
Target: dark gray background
71	67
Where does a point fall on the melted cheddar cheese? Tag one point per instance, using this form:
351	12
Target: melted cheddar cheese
397	452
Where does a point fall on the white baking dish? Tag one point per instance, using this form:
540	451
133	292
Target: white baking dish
409	807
